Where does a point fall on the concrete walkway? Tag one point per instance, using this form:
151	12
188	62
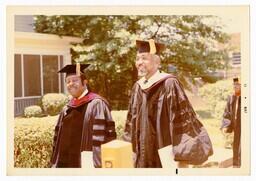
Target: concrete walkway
221	158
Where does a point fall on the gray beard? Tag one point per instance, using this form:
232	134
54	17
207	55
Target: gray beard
142	74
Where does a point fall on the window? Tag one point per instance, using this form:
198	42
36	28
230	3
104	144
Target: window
17	76
62	78
36	75
236	58
32	81
50	75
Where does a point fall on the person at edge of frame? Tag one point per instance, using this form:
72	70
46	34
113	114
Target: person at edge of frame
232	121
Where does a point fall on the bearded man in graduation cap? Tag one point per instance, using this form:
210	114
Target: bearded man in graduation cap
160	114
83	125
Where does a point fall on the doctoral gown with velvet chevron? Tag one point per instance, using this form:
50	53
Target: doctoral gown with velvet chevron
83	125
162	115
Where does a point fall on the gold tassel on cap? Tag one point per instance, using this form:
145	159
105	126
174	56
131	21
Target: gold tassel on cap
78	69
152	46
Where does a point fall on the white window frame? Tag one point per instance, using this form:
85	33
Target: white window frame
41	72
59	76
41	75
22	76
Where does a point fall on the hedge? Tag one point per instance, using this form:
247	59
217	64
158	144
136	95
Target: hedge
33	141
32	111
53	103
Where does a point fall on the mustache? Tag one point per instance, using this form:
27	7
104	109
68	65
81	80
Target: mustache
72	86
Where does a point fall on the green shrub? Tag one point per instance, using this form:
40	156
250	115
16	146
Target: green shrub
53	103
119	117
215	95
33	141
32	111
219	109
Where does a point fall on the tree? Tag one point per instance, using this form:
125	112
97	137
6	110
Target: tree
109	45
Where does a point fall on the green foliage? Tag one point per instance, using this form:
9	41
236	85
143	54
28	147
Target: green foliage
119	117
229	139
53	103
215	95
33	142
32	111
109	45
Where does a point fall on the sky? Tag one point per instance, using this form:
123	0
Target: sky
230	25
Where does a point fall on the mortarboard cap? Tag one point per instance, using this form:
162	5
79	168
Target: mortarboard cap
149	46
74	69
236	80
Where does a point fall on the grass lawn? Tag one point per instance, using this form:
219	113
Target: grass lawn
213	128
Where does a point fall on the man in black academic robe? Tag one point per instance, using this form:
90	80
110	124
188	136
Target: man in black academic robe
83	125
160	114
232	121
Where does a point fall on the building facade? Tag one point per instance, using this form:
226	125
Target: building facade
37	59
